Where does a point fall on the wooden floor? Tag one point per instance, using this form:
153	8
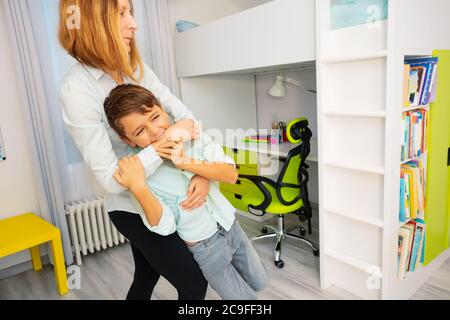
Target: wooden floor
107	275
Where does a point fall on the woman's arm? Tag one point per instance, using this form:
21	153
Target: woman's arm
81	112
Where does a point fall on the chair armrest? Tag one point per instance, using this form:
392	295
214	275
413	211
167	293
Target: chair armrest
258	181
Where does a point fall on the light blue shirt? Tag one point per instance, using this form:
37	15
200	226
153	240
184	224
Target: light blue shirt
82	95
170	186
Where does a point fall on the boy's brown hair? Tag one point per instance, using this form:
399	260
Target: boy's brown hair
126	99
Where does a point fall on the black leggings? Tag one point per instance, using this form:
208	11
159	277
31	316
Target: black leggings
154	256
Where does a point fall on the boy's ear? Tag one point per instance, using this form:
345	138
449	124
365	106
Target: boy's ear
128	142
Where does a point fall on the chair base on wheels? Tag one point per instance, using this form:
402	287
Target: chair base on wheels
280	233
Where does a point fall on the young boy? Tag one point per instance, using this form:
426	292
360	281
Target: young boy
219	245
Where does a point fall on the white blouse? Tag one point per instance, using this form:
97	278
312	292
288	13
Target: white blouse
82	95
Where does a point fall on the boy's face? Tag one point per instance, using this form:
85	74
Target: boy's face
144	129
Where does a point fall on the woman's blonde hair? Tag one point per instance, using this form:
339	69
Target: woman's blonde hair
89	30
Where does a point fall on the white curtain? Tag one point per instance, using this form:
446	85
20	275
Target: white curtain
155	40
40	126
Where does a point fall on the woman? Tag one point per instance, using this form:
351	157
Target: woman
103	43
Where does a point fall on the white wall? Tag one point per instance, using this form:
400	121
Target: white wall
17	188
204	11
297	103
221	102
247	4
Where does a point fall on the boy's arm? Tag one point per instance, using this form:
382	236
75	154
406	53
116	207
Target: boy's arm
216	166
221	172
166	224
157	217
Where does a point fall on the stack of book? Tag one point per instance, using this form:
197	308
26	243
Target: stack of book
410	247
271	139
412	190
420	81
414	142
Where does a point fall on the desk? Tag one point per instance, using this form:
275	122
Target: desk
264	163
273	150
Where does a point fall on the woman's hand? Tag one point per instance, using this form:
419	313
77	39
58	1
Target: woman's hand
131	174
197	193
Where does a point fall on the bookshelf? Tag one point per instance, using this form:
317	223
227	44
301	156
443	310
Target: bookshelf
414	156
360	85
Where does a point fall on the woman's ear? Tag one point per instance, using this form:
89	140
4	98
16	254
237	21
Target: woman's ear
128	142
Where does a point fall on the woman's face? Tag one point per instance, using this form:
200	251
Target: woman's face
128	24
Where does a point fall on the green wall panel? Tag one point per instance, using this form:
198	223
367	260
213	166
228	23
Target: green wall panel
437	209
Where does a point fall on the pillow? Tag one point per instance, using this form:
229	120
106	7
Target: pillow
183	25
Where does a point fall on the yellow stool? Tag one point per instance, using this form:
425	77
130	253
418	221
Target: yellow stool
28	232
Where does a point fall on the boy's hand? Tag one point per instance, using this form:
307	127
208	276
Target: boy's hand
174	151
131	174
186	130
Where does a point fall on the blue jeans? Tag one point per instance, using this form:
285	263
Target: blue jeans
230	264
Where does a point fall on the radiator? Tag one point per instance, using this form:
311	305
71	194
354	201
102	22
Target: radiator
90	228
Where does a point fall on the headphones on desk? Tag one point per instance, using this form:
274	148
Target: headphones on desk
297	129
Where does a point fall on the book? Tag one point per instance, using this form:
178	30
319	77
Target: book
429	64
417	80
404	235
401	241
411	227
402	216
406	82
407	198
434	81
416	250
414	143
411	243
261	139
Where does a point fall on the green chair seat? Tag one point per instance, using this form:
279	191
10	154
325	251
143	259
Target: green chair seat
256	197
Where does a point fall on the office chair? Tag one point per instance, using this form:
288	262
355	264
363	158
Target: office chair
289	194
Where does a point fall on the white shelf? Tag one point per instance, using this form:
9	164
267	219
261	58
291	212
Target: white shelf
415	158
371	221
356	167
356	263
239	42
412	108
412	53
356	114
360	67
355	58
